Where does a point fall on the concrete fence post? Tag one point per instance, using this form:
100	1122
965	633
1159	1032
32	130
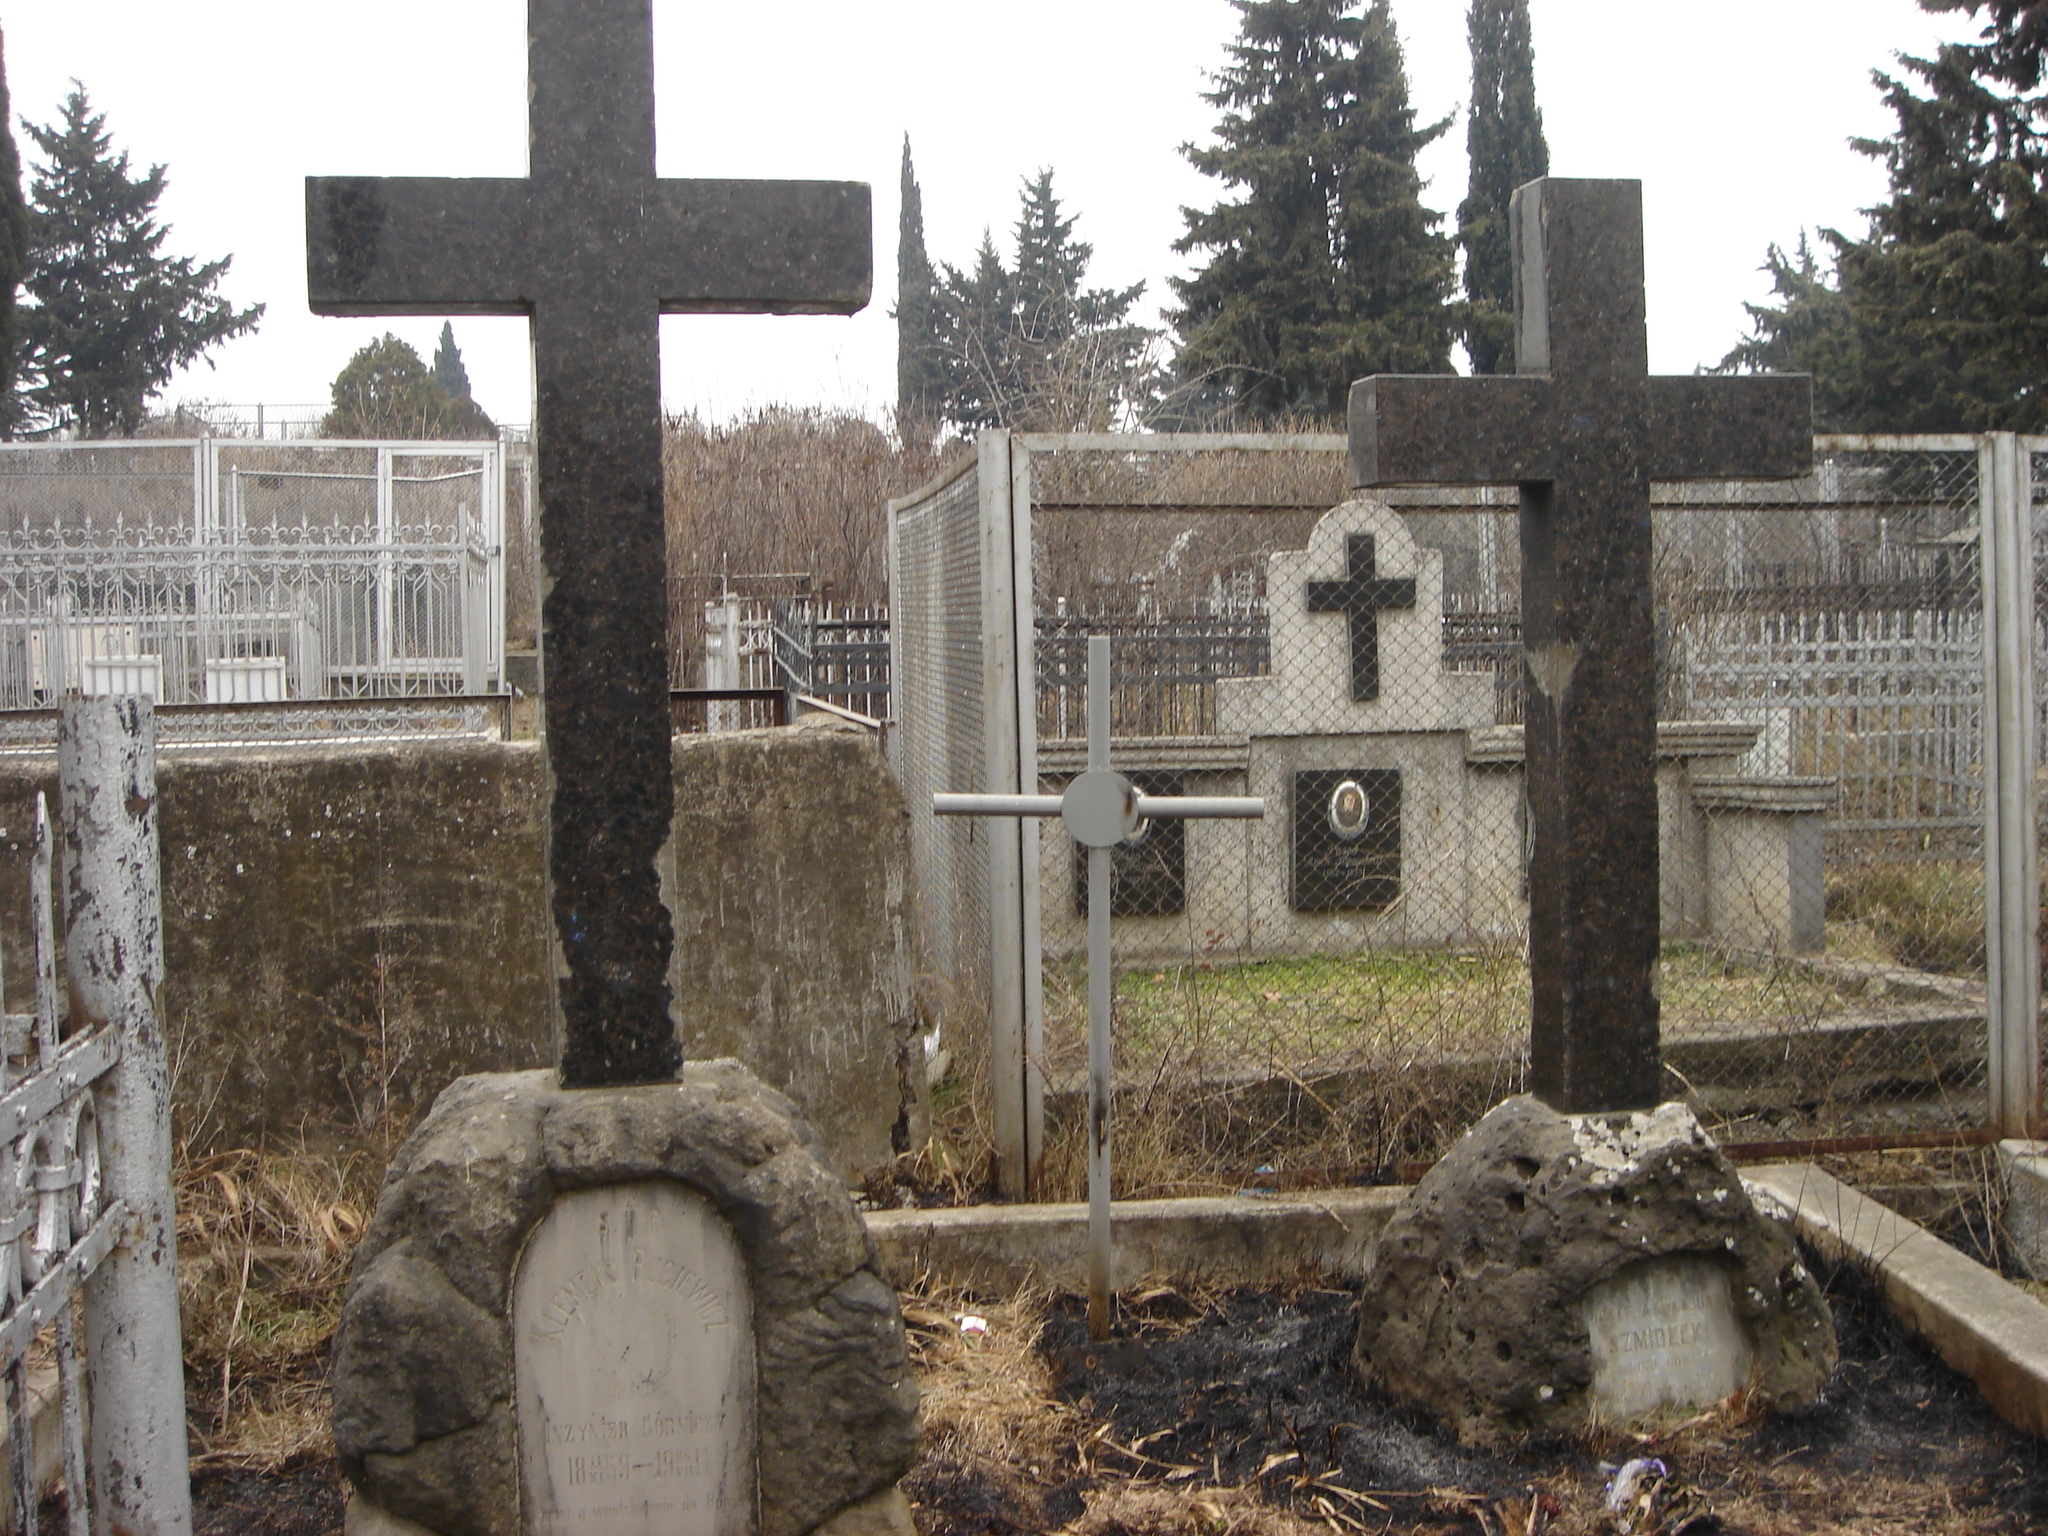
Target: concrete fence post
114	954
2012	891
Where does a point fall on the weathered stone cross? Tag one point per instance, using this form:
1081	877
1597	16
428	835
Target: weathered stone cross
594	248
1359	595
1583	430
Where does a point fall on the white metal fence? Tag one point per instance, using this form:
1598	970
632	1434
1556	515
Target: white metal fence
224	571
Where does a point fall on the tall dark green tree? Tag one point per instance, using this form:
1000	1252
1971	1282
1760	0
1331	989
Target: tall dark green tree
1326	267
1504	147
920	374
110	317
448	370
386	391
1030	345
1937	318
13	259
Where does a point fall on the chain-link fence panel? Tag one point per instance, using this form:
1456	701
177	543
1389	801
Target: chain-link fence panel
1342	987
937	640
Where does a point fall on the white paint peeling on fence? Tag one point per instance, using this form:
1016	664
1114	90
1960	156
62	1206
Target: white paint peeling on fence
115	960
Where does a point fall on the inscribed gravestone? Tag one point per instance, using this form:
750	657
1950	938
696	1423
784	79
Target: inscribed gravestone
1347	839
634	1356
1664	1333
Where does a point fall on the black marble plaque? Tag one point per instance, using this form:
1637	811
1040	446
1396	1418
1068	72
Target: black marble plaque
1347	839
1148	873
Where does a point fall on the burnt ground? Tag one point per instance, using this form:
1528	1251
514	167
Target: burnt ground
1238	1412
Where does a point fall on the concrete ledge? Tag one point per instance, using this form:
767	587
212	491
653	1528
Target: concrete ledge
1222	1240
1991	1331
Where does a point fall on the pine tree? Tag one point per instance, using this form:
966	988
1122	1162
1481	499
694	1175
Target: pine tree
1937	319
1030	346
920	375
1328	268
111	317
13	259
1504	146
448	370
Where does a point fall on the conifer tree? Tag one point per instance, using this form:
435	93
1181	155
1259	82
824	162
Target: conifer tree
1327	267
1937	319
111	317
386	391
920	376
1029	345
13	259
448	370
1504	147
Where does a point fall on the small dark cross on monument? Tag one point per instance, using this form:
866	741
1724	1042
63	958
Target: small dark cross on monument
1583	430
594	248
1359	596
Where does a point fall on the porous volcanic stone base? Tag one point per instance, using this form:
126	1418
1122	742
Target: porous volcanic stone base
1472	1304
424	1424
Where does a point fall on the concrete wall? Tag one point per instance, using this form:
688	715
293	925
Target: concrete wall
347	931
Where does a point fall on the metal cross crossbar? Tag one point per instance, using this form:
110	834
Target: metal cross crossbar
1101	808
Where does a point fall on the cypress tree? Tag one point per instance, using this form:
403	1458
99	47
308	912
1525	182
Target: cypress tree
448	370
1504	147
114	317
1937	319
1328	267
920	377
13	259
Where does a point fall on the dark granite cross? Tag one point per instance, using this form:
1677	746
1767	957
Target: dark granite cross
1360	595
1583	430
594	249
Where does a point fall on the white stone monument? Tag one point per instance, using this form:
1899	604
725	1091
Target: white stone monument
633	1350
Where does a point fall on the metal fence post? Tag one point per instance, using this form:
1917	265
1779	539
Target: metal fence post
114	953
2012	892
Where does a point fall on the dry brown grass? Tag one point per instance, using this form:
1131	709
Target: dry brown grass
264	1243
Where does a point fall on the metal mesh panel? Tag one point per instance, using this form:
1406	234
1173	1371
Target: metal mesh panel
1344	985
1823	888
938	743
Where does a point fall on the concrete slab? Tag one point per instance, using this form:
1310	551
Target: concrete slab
1988	1329
1223	1240
2025	1165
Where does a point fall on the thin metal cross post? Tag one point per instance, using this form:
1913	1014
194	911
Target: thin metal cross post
1101	808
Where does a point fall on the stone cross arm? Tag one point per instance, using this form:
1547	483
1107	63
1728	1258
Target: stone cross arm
1439	429
494	246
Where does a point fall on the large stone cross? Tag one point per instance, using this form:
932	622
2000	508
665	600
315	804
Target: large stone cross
1583	430
594	248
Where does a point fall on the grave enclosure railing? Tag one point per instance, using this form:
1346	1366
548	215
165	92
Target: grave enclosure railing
1850	834
87	1224
222	571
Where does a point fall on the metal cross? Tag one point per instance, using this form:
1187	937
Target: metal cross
1101	808
1359	595
594	249
1583	429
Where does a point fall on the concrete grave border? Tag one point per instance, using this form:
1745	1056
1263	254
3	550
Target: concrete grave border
424	1418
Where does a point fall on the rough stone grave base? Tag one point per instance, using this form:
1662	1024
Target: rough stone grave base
1555	1270
426	1418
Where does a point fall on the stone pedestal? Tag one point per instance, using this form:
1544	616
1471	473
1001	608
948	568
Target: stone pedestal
1555	1270
629	1310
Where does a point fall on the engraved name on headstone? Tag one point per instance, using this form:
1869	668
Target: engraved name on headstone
634	1354
1347	839
1664	1335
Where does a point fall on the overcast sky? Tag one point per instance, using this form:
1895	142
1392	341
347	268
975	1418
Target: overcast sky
1735	115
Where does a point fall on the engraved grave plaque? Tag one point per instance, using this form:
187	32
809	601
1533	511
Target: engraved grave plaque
1347	839
634	1357
1148	871
1664	1335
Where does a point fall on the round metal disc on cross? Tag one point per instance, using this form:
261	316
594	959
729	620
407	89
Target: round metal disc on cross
1100	809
